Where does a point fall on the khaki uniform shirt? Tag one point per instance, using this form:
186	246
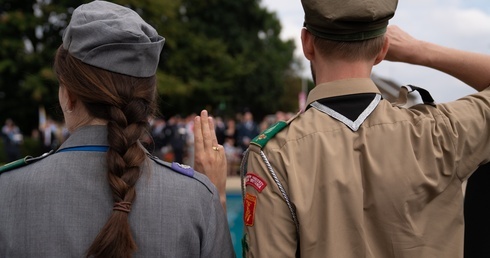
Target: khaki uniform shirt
390	189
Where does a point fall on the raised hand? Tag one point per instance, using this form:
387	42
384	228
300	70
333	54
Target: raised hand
210	158
403	47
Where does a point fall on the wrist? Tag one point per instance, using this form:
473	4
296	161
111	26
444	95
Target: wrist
222	200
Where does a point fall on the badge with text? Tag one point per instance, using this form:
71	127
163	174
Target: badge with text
255	181
249	209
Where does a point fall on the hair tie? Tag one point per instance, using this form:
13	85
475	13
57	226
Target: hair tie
122	206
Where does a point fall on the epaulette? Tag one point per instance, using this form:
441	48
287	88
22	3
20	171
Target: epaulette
174	166
402	99
269	133
23	162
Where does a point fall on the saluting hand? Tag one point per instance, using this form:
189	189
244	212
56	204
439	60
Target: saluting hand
403	47
210	157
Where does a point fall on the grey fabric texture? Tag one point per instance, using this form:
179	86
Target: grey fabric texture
114	38
56	206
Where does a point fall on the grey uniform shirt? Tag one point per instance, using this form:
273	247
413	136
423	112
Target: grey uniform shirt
56	207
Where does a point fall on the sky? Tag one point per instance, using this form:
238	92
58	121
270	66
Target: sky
461	24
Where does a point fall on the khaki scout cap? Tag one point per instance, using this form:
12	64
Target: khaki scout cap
348	20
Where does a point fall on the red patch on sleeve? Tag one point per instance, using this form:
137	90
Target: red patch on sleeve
249	209
255	181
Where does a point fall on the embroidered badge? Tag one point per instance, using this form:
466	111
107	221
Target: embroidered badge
249	211
255	181
183	169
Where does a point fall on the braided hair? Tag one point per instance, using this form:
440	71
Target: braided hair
126	103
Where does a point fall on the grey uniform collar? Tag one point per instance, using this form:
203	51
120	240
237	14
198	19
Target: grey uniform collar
91	135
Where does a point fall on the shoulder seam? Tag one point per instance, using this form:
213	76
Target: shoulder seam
176	167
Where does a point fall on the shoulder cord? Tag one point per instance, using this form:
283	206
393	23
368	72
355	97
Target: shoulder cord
276	180
243	172
29	159
281	188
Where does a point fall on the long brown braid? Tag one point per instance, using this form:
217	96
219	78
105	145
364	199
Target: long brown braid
126	103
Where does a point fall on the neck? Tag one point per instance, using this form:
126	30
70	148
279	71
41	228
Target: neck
80	117
339	70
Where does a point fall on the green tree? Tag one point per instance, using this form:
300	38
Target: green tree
219	54
226	55
30	34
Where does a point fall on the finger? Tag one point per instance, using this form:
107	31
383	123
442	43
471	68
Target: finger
198	138
206	134
214	140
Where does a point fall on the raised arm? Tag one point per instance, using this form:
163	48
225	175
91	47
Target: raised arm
469	67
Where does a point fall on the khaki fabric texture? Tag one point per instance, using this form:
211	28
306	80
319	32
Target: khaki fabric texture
391	189
348	20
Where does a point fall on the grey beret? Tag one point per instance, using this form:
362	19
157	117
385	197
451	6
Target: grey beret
348	20
114	38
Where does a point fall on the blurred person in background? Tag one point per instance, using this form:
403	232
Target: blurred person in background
220	128
158	136
49	136
189	148
230	129
12	139
246	130
178	138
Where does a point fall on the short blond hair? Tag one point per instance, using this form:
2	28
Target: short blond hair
349	50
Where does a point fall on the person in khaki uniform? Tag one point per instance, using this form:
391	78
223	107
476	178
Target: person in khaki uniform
355	175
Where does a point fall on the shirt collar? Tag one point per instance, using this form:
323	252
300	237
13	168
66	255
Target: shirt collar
87	135
342	87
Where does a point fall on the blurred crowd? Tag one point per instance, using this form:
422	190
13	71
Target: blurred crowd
48	136
171	139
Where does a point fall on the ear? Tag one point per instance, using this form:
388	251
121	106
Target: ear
382	54
307	42
69	98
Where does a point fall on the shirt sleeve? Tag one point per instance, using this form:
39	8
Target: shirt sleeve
269	227
468	123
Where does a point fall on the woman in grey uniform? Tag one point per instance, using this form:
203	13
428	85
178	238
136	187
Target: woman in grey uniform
101	194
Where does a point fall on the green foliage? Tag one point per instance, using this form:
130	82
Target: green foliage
31	147
227	54
30	35
219	54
